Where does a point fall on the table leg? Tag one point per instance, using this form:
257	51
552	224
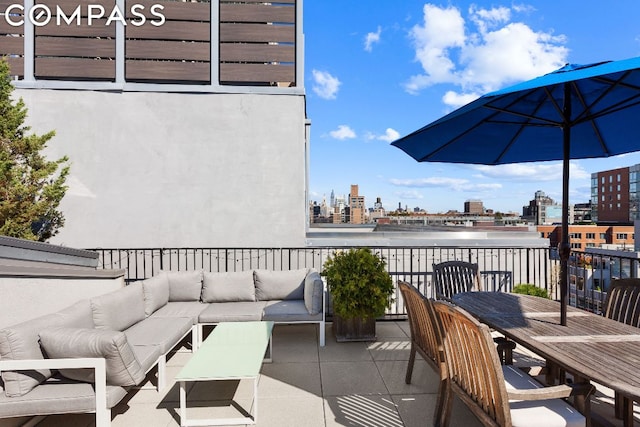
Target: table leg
627	412
183	403
582	402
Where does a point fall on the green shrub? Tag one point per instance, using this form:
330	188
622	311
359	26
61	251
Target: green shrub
359	283
529	289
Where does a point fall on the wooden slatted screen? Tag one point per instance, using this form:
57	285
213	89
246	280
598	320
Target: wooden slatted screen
12	42
68	51
178	51
257	42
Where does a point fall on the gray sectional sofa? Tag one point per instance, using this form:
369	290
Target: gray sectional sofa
49	365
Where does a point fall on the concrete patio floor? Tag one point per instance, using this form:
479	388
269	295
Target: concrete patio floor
346	384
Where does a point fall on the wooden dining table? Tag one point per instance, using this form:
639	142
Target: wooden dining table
590	347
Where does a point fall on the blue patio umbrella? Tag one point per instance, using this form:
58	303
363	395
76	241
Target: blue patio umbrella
576	112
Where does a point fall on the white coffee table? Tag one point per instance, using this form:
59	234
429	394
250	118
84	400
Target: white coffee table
233	351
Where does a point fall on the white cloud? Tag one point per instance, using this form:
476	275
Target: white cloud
372	38
455	99
325	85
453	184
343	132
493	53
409	194
389	135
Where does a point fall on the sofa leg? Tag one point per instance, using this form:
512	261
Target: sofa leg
103	417
195	341
162	364
321	330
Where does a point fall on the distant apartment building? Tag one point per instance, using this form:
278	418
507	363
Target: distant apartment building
175	130
615	195
357	209
544	210
582	237
473	207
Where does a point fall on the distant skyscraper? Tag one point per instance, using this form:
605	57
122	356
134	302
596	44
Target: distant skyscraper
332	201
473	207
356	205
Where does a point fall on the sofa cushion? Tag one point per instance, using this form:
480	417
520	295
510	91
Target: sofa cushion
279	285
184	285
190	309
57	395
313	290
288	311
78	315
147	355
156	293
242	311
122	367
163	331
228	287
119	309
20	342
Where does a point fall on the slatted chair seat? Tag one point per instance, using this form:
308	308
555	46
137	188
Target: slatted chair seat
497	395
426	339
623	305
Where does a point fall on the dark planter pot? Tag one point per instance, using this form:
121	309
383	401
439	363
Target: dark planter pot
354	329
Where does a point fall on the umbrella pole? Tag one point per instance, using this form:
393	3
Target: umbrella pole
564	249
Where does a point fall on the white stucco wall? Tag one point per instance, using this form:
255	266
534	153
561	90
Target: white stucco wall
25	298
177	170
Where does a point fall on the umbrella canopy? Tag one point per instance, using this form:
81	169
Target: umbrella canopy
576	112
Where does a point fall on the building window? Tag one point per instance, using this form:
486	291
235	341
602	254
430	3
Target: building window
603	197
576	245
603	188
610	178
575	235
618	187
591	235
621	236
618	177
602	180
591	245
603	236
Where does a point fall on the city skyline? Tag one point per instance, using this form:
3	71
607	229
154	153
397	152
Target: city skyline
370	204
372	78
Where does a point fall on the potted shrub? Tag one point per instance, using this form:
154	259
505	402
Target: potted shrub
360	290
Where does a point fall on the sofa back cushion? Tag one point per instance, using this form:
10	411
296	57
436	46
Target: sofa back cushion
120	309
228	287
313	292
78	315
156	293
20	342
184	285
279	285
122	366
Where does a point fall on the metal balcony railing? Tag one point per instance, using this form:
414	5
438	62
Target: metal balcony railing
500	268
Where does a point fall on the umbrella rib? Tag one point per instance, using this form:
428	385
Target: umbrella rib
542	121
517	134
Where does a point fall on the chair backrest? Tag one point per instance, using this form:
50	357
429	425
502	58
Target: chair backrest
452	277
623	301
425	328
475	374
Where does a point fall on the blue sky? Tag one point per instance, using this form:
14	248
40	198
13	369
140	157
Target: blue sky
377	70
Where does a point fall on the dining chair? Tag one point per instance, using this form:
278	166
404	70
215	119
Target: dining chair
623	305
452	277
498	395
426	339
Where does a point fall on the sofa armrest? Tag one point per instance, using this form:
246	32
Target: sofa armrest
98	364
